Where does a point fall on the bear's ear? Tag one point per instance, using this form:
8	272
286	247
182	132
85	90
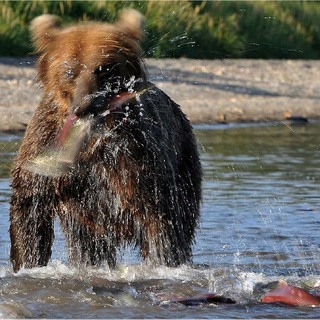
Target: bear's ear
132	22
43	30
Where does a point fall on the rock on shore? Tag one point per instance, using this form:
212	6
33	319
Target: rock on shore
209	91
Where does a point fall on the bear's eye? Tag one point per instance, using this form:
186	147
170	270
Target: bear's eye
69	73
68	70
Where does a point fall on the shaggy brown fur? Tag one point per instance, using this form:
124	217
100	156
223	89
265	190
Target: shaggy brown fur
137	177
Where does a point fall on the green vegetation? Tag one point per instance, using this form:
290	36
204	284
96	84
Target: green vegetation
194	29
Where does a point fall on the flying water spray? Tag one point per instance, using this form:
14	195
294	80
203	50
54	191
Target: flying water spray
60	159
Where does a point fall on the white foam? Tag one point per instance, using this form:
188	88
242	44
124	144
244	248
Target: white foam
128	273
248	280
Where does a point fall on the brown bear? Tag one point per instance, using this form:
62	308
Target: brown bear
136	176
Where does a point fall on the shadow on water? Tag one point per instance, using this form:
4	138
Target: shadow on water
259	223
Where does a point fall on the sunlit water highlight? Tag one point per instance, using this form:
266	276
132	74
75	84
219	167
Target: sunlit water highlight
260	223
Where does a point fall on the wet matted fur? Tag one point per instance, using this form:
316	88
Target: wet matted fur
137	176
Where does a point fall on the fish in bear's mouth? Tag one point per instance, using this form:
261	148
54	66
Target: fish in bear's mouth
60	158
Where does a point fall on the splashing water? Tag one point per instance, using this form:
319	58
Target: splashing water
60	159
259	224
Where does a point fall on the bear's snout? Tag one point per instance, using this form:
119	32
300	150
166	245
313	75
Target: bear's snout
85	90
90	98
91	104
95	92
100	103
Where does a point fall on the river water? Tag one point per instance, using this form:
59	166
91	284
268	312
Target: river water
259	224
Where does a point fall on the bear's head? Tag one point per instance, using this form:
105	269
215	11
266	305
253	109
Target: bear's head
84	65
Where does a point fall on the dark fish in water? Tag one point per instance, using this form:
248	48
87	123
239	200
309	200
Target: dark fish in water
291	295
295	119
202	298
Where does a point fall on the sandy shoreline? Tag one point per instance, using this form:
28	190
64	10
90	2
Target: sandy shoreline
208	91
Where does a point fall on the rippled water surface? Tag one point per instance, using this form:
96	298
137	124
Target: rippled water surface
260	223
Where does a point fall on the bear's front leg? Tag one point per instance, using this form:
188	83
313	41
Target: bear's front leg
89	242
161	244
31	230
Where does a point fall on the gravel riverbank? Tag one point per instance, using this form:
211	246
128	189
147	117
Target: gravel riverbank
208	91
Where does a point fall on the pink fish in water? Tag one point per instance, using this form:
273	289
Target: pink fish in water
291	295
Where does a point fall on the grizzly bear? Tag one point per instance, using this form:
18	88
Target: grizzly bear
135	178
